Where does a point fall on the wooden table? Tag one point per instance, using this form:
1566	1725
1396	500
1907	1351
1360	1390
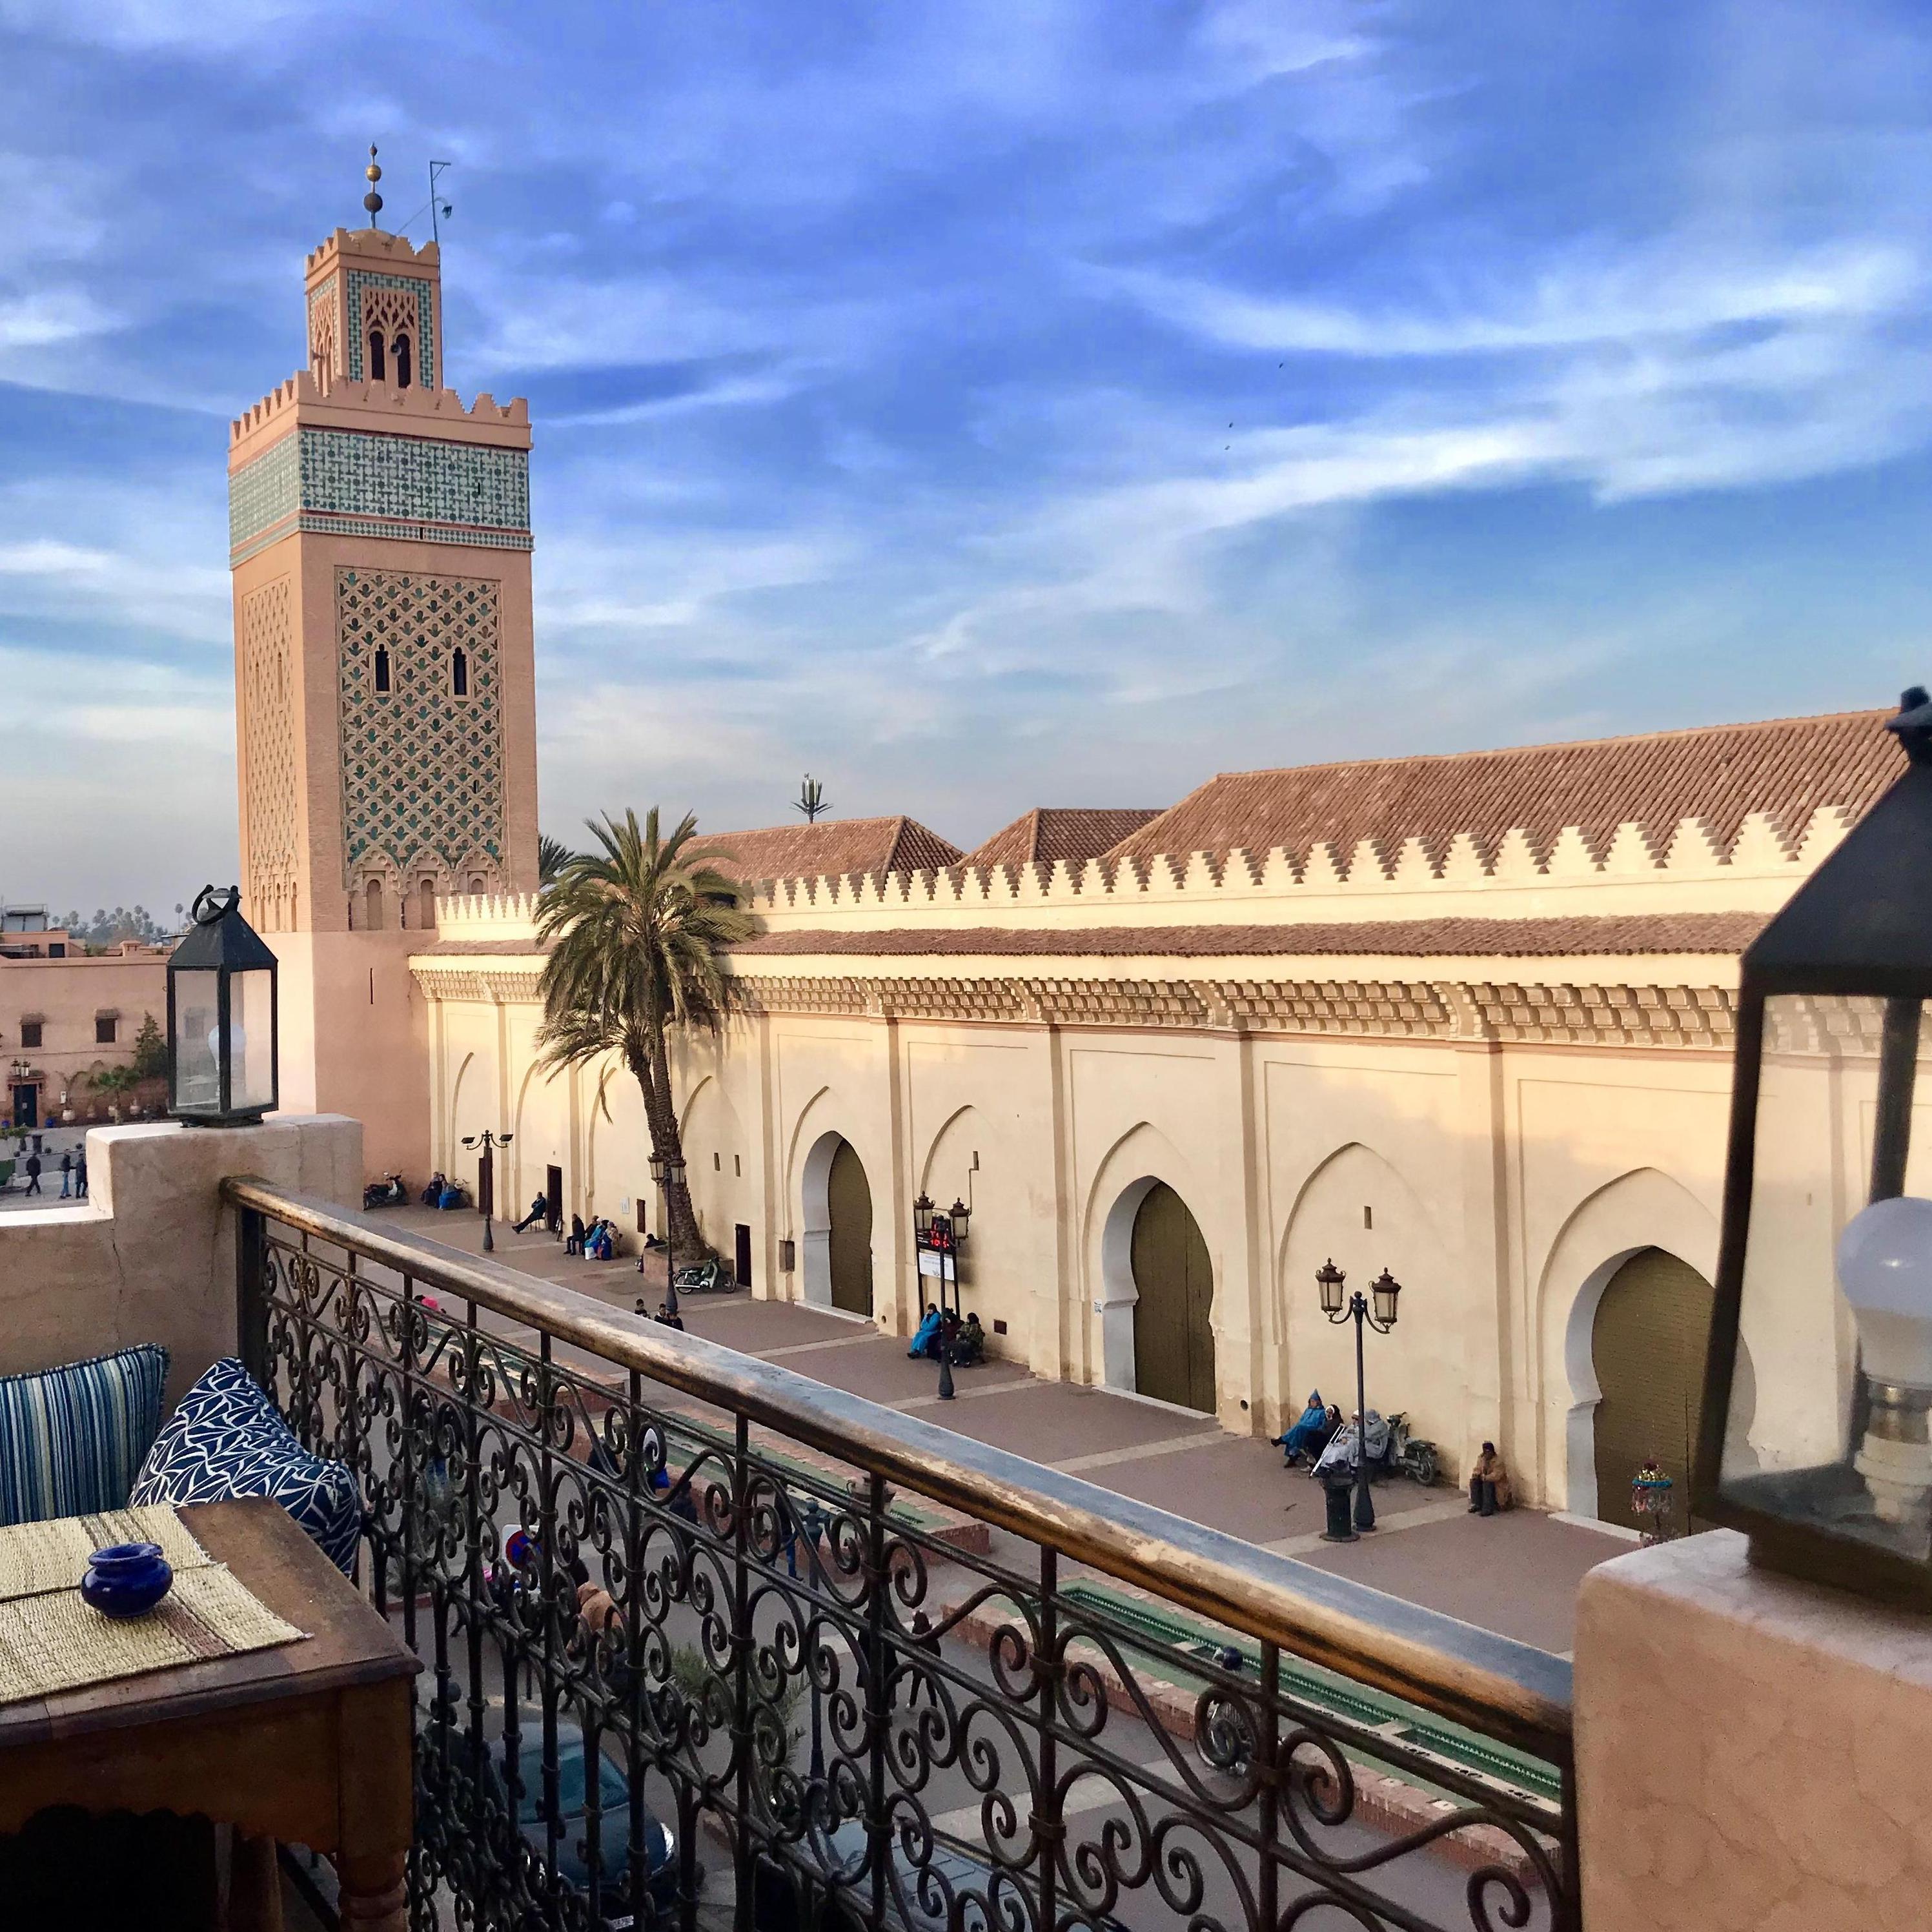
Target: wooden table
308	1744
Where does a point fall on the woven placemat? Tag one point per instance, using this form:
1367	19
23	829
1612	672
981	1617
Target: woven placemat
37	1557
52	1639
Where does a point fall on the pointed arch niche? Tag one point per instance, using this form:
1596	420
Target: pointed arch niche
1357	1209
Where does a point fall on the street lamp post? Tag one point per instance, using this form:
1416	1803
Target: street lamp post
667	1172
1340	1307
941	1235
486	1179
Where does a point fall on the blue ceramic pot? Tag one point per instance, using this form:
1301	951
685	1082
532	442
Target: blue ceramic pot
127	1580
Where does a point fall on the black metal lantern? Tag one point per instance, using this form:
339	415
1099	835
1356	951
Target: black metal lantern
222	1070
921	1219
1329	1279
961	1214
1818	1384
657	1165
1383	1292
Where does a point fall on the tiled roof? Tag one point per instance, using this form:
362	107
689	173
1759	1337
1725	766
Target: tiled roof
1049	832
1719	933
1787	768
833	847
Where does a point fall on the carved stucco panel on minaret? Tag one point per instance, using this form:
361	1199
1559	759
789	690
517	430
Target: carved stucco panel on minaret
325	345
422	766
268	756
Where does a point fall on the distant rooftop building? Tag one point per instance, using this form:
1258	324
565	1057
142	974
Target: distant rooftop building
1049	833
833	847
20	918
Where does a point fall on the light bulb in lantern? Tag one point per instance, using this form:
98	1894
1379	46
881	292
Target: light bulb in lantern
238	1040
1884	1267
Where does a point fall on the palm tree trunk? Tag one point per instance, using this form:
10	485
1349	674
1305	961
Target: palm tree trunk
653	1077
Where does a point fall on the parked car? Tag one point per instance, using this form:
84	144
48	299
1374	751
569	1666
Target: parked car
573	1845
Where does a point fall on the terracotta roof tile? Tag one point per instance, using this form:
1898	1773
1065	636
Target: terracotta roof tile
833	847
1716	934
1051	832
1787	767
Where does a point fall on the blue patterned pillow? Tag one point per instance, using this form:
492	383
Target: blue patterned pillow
225	1439
71	1438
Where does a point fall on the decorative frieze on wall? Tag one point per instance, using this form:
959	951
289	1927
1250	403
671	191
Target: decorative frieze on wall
360	485
493	985
1667	1016
422	767
268	777
392	302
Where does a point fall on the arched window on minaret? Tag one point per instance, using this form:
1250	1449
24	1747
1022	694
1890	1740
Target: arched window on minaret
459	672
382	668
378	371
402	362
372	899
426	903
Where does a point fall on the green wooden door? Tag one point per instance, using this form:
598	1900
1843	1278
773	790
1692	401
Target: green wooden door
1173	1339
849	1196
1647	1346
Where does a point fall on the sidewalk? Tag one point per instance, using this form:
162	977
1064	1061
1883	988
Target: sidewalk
1516	1574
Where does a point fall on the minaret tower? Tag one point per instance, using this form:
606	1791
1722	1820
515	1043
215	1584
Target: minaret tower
380	541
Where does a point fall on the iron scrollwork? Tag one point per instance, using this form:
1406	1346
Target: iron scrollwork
666	1658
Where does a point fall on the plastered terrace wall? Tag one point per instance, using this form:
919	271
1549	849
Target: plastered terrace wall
151	1256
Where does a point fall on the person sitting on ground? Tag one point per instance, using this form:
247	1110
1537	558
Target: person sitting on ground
538	1208
1309	1435
574	1246
925	1336
1488	1483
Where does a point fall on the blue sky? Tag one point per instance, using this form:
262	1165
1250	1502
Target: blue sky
988	406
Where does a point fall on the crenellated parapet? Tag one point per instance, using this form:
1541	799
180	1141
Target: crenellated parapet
1639	867
414	410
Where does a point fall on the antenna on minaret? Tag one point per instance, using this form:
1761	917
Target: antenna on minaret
372	201
437	207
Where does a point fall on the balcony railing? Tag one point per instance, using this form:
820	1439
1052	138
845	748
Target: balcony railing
854	1670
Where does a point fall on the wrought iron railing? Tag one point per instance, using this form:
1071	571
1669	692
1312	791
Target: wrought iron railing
701	1635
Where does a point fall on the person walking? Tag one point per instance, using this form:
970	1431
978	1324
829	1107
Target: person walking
80	1174
33	1173
67	1174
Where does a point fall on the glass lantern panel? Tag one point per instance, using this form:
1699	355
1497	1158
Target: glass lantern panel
252	1026
1831	1387
197	1072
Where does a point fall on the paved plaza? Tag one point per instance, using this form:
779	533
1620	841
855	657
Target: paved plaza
1516	1574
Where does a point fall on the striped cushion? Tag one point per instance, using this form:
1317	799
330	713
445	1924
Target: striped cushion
71	1438
226	1438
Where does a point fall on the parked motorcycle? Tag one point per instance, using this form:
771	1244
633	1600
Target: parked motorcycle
389	1192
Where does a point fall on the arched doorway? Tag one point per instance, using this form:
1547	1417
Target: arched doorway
1647	1347
1174	1280
848	1196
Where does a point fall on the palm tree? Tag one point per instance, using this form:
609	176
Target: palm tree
551	855
636	926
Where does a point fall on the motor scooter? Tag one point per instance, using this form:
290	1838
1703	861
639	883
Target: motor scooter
389	1192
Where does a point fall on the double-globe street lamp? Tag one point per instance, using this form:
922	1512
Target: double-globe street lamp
941	1233
486	1179
667	1172
1339	1306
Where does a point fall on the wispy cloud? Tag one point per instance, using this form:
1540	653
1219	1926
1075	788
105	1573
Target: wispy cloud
1118	394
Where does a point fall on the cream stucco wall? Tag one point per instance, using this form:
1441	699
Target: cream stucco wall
150	1256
